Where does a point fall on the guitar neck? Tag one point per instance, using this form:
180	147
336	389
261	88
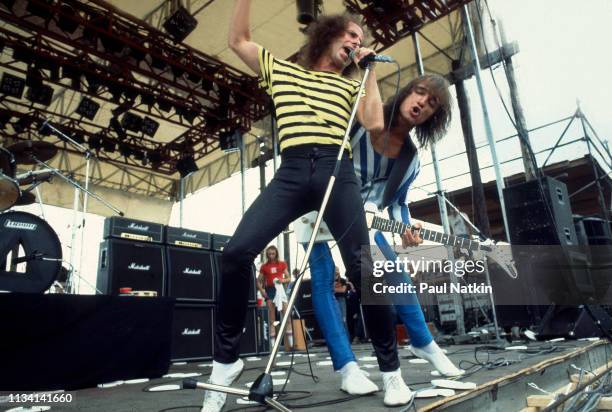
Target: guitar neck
400	228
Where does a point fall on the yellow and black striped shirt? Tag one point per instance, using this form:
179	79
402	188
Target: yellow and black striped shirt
311	106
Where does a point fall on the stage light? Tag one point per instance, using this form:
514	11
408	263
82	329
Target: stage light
5	117
180	24
207	84
186	114
125	150
42	94
177	71
78	137
23	54
116	92
158	63
93	83
131	122
306	11
186	165
116	126
12	85
229	140
147	99
130	93
164	105
149	126
155	157
66	21
88	108
95	141
22	124
40	10
109	146
194	78
138	154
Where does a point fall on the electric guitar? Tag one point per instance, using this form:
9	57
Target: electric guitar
488	248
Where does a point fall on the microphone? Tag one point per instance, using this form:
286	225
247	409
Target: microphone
371	58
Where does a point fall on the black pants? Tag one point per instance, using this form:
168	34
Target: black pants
297	188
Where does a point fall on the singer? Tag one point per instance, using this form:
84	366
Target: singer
312	103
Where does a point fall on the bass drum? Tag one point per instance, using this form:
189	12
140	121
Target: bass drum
42	253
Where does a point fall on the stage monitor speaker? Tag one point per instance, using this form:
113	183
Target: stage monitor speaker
313	331
128	264
252	288
529	219
303	301
191	275
192	332
575	322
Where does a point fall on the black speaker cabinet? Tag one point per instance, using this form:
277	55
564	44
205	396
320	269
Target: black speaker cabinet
303	301
528	216
191	274
312	326
137	265
252	288
192	332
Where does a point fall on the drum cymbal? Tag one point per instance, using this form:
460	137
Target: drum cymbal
26	151
9	192
26	198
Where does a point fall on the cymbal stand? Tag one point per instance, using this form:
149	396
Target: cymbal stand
86	193
262	390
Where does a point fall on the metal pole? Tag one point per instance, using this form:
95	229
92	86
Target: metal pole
485	114
40	203
75	213
242	168
441	199
181	198
84	217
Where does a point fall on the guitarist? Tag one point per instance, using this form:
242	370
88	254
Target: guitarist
386	167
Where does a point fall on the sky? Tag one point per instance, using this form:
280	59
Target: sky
564	56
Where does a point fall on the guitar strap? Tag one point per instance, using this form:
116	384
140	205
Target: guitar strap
398	171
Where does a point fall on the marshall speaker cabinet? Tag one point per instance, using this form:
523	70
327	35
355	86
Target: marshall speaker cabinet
190	268
192	332
136	265
123	228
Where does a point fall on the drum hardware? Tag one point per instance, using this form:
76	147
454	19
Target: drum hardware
48	127
34	176
9	188
26	198
26	152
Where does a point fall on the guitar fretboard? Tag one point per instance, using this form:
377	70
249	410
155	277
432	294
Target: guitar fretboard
387	225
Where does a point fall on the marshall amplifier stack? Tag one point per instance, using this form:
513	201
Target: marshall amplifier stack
179	263
131	256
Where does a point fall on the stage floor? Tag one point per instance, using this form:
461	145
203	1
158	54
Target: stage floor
500	389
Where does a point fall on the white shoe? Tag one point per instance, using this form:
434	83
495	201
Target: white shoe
355	382
213	400
434	355
397	393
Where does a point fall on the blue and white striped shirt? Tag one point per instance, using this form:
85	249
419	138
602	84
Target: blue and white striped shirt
373	171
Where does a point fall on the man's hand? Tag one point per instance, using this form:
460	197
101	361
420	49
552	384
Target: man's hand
410	238
362	52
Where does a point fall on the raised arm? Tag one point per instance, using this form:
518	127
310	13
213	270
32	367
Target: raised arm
370	110
239	39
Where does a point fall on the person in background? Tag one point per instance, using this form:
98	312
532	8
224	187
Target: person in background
272	273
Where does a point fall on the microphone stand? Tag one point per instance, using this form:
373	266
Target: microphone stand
88	155
262	390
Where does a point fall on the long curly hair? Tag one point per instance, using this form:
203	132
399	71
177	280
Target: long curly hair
321	33
435	127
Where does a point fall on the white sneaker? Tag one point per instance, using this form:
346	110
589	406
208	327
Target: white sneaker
434	355
213	400
355	382
397	393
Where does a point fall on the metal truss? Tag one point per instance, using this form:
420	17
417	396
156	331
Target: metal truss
129	63
392	20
